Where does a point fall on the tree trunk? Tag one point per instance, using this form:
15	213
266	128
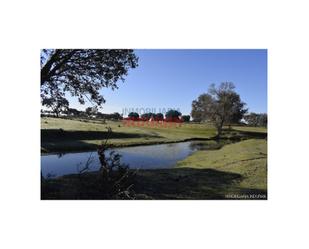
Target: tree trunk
47	67
219	129
47	72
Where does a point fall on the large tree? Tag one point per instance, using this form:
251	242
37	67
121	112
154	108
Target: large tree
221	106
83	72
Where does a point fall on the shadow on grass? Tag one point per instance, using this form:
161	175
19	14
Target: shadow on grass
66	146
238	135
59	140
253	134
191	184
56	135
160	184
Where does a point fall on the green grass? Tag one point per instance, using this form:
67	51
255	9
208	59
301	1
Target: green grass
250	129
247	158
62	135
161	184
59	135
235	171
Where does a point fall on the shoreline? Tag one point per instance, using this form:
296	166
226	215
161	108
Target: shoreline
113	146
93	147
85	137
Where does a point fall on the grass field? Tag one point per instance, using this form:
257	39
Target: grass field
58	135
61	135
250	129
235	171
247	158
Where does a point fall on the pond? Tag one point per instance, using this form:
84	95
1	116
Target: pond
137	157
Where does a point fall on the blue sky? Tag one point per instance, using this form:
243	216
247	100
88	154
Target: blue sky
174	78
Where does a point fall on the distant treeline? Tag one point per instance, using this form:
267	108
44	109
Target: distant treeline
93	113
88	113
170	116
256	119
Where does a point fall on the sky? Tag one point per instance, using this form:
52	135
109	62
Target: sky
174	78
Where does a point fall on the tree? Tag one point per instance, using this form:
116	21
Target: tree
112	116
57	103
83	72
220	106
91	111
238	111
172	115
147	116
186	118
198	114
256	119
133	115
251	119
159	117
263	120
116	116
73	112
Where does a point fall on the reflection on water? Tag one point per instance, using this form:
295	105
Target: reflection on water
144	157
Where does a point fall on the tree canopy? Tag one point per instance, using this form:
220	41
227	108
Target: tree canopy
111	116
147	116
159	117
133	115
172	115
256	119
221	106
83	72
73	112
57	103
91	111
186	118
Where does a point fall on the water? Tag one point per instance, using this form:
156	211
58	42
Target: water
142	157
